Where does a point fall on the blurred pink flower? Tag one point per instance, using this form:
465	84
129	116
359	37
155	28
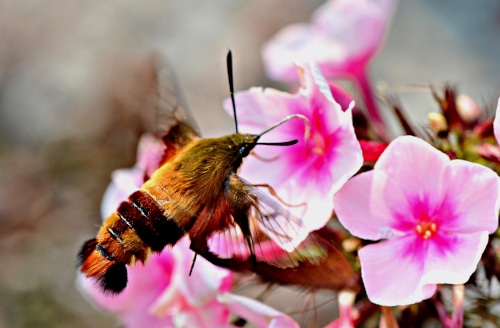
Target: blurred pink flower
435	213
146	283
161	293
496	123
259	314
342	38
125	181
309	173
346	301
192	300
487	150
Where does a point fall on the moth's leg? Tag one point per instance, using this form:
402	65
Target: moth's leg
228	263
241	201
243	223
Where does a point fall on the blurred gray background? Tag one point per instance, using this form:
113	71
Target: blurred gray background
70	76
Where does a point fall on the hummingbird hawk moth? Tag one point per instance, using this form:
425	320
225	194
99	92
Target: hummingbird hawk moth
196	192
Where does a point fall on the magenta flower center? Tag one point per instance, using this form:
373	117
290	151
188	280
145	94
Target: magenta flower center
426	230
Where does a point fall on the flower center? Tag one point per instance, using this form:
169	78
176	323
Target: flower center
426	230
319	144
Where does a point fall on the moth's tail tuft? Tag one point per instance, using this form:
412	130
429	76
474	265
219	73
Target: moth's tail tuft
96	263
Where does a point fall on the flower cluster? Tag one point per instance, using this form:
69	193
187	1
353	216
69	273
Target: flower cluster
409	215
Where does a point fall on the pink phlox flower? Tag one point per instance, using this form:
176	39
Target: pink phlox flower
307	174
342	38
435	214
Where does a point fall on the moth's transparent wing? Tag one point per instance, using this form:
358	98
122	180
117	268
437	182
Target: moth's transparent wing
276	221
229	243
164	113
172	107
278	236
318	256
284	252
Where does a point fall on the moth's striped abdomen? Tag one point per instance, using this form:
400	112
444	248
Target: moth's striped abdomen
138	227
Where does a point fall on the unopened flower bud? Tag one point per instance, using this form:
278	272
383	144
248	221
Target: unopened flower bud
467	108
437	122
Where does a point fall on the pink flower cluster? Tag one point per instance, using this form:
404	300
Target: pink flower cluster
342	38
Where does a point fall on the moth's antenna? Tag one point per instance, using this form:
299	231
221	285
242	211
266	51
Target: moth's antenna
284	143
291	142
229	63
288	118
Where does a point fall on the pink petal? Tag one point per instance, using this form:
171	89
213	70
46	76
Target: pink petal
341	96
123	183
366	204
415	166
496	123
473	190
260	108
213	314
489	152
257	313
358	25
359	220
149	154
390	277
347	312
196	291
456	263
347	155
299	43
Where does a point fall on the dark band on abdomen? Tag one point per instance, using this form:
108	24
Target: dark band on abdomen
104	253
143	214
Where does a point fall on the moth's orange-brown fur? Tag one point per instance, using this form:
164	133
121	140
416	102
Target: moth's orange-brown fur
195	192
